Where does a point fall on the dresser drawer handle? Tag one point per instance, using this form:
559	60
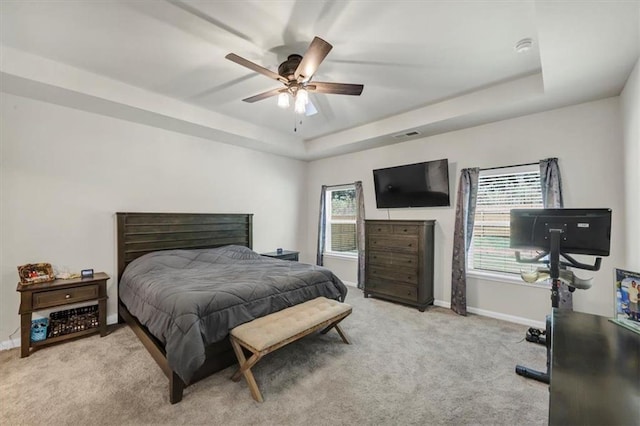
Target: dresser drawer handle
404	230
410	245
67	296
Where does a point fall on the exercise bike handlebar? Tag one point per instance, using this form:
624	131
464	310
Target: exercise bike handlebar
571	261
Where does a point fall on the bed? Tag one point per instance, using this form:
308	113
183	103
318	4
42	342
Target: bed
185	280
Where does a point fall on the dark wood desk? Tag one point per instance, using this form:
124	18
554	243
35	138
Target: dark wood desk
595	371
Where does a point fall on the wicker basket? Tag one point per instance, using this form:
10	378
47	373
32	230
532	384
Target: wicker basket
72	320
32	273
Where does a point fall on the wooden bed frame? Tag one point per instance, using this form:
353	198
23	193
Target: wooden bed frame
142	233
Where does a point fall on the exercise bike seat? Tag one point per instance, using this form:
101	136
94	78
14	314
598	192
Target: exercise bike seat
566	276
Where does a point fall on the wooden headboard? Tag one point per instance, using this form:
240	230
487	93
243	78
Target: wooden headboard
142	233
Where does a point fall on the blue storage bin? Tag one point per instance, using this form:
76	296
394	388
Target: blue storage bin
39	329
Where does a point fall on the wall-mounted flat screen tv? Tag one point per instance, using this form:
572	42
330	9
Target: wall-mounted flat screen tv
413	185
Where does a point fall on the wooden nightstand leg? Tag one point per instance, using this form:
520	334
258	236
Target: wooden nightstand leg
25	334
102	317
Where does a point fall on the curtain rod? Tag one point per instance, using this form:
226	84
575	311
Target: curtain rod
506	167
338	186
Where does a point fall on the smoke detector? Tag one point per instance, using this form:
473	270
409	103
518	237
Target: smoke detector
524	45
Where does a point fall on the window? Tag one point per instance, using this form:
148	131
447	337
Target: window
341	214
499	191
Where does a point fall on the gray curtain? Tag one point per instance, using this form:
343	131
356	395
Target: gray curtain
322	224
465	215
360	233
551	184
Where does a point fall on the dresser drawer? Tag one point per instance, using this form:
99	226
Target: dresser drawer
47	299
407	261
382	228
407	276
408	244
406	229
392	289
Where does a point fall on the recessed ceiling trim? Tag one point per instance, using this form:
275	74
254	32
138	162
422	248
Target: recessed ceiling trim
73	80
511	92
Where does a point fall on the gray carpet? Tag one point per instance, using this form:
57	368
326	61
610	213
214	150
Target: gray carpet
403	367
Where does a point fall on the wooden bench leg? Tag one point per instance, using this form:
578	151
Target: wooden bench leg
245	369
246	365
343	335
341	332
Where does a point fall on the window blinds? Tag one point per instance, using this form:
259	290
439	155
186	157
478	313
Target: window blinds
498	193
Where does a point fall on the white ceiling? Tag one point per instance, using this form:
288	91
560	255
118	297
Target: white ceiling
430	66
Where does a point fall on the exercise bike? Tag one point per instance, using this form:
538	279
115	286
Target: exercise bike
557	233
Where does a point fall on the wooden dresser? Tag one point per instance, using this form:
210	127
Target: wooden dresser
399	261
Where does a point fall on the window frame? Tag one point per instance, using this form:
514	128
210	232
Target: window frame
501	276
328	222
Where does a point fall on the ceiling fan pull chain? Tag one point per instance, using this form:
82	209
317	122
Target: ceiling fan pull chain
295	122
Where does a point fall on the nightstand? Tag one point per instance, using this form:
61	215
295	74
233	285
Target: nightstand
285	255
35	297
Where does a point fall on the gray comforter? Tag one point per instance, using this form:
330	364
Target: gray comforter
191	298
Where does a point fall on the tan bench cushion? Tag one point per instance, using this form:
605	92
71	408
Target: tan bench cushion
272	329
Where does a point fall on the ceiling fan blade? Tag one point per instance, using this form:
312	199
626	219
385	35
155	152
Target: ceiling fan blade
265	95
255	67
336	88
317	51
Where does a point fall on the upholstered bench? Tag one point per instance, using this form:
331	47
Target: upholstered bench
266	334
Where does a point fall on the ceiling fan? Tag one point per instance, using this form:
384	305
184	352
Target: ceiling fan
296	73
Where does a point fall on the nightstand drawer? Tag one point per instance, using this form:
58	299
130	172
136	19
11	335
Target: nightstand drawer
47	299
293	256
284	255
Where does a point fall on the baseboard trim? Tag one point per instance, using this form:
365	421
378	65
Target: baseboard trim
113	319
350	284
495	315
10	344
15	343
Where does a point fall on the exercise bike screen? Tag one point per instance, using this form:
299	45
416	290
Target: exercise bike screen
584	231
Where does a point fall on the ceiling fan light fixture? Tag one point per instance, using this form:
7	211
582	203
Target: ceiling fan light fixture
299	107
283	100
303	95
302	98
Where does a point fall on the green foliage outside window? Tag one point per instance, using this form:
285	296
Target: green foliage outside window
343	209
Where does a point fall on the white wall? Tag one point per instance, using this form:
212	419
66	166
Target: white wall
630	100
66	172
586	138
343	267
